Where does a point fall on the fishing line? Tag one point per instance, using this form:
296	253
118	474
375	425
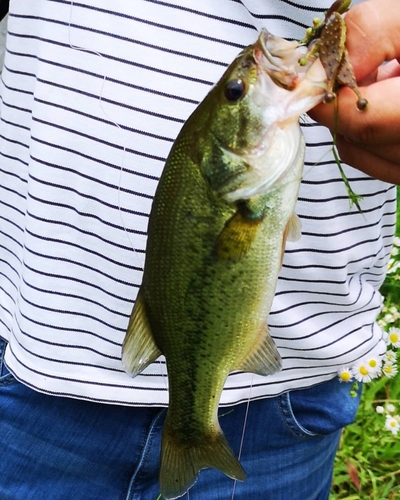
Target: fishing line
306	120
121	169
243	431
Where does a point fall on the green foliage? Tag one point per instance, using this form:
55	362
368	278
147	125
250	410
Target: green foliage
367	465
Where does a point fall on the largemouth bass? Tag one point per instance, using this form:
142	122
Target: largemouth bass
223	210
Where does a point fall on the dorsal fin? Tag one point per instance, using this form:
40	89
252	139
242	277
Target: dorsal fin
139	348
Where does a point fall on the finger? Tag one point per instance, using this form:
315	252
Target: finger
389	70
385	71
379	124
373	34
389	153
370	163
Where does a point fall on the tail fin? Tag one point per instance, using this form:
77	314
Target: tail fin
181	464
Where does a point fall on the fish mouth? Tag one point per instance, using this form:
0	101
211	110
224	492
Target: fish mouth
285	90
280	58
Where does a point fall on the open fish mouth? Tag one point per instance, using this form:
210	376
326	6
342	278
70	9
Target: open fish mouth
285	89
280	59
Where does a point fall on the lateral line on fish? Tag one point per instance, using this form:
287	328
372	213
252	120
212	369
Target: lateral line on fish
90	51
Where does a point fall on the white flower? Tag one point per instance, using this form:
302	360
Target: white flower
373	365
392	424
390	356
344	374
380	409
394	337
389	318
389	369
390	408
361	371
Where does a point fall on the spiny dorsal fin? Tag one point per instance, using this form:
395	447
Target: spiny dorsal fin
263	358
139	348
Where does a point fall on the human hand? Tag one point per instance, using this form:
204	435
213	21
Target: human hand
370	140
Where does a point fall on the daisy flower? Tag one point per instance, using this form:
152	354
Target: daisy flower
374	366
361	371
380	409
389	369
394	337
392	424
344	374
390	356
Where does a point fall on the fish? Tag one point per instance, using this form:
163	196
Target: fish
222	212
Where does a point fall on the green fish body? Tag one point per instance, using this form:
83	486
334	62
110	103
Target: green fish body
222	212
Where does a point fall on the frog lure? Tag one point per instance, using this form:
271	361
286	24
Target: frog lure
326	39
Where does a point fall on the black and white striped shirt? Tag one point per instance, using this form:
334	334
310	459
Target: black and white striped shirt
93	94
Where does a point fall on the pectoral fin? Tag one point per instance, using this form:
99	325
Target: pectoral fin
239	232
139	348
237	237
263	358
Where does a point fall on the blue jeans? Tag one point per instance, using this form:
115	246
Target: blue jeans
54	448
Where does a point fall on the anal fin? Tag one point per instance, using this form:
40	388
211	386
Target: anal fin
263	358
139	348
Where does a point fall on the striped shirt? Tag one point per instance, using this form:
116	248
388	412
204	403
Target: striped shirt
93	94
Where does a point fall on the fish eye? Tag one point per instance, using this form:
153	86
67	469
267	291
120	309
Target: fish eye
234	90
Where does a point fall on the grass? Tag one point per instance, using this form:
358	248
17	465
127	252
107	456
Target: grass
367	465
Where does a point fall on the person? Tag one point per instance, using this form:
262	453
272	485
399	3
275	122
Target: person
93	95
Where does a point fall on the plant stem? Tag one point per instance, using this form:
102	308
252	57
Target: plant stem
354	198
